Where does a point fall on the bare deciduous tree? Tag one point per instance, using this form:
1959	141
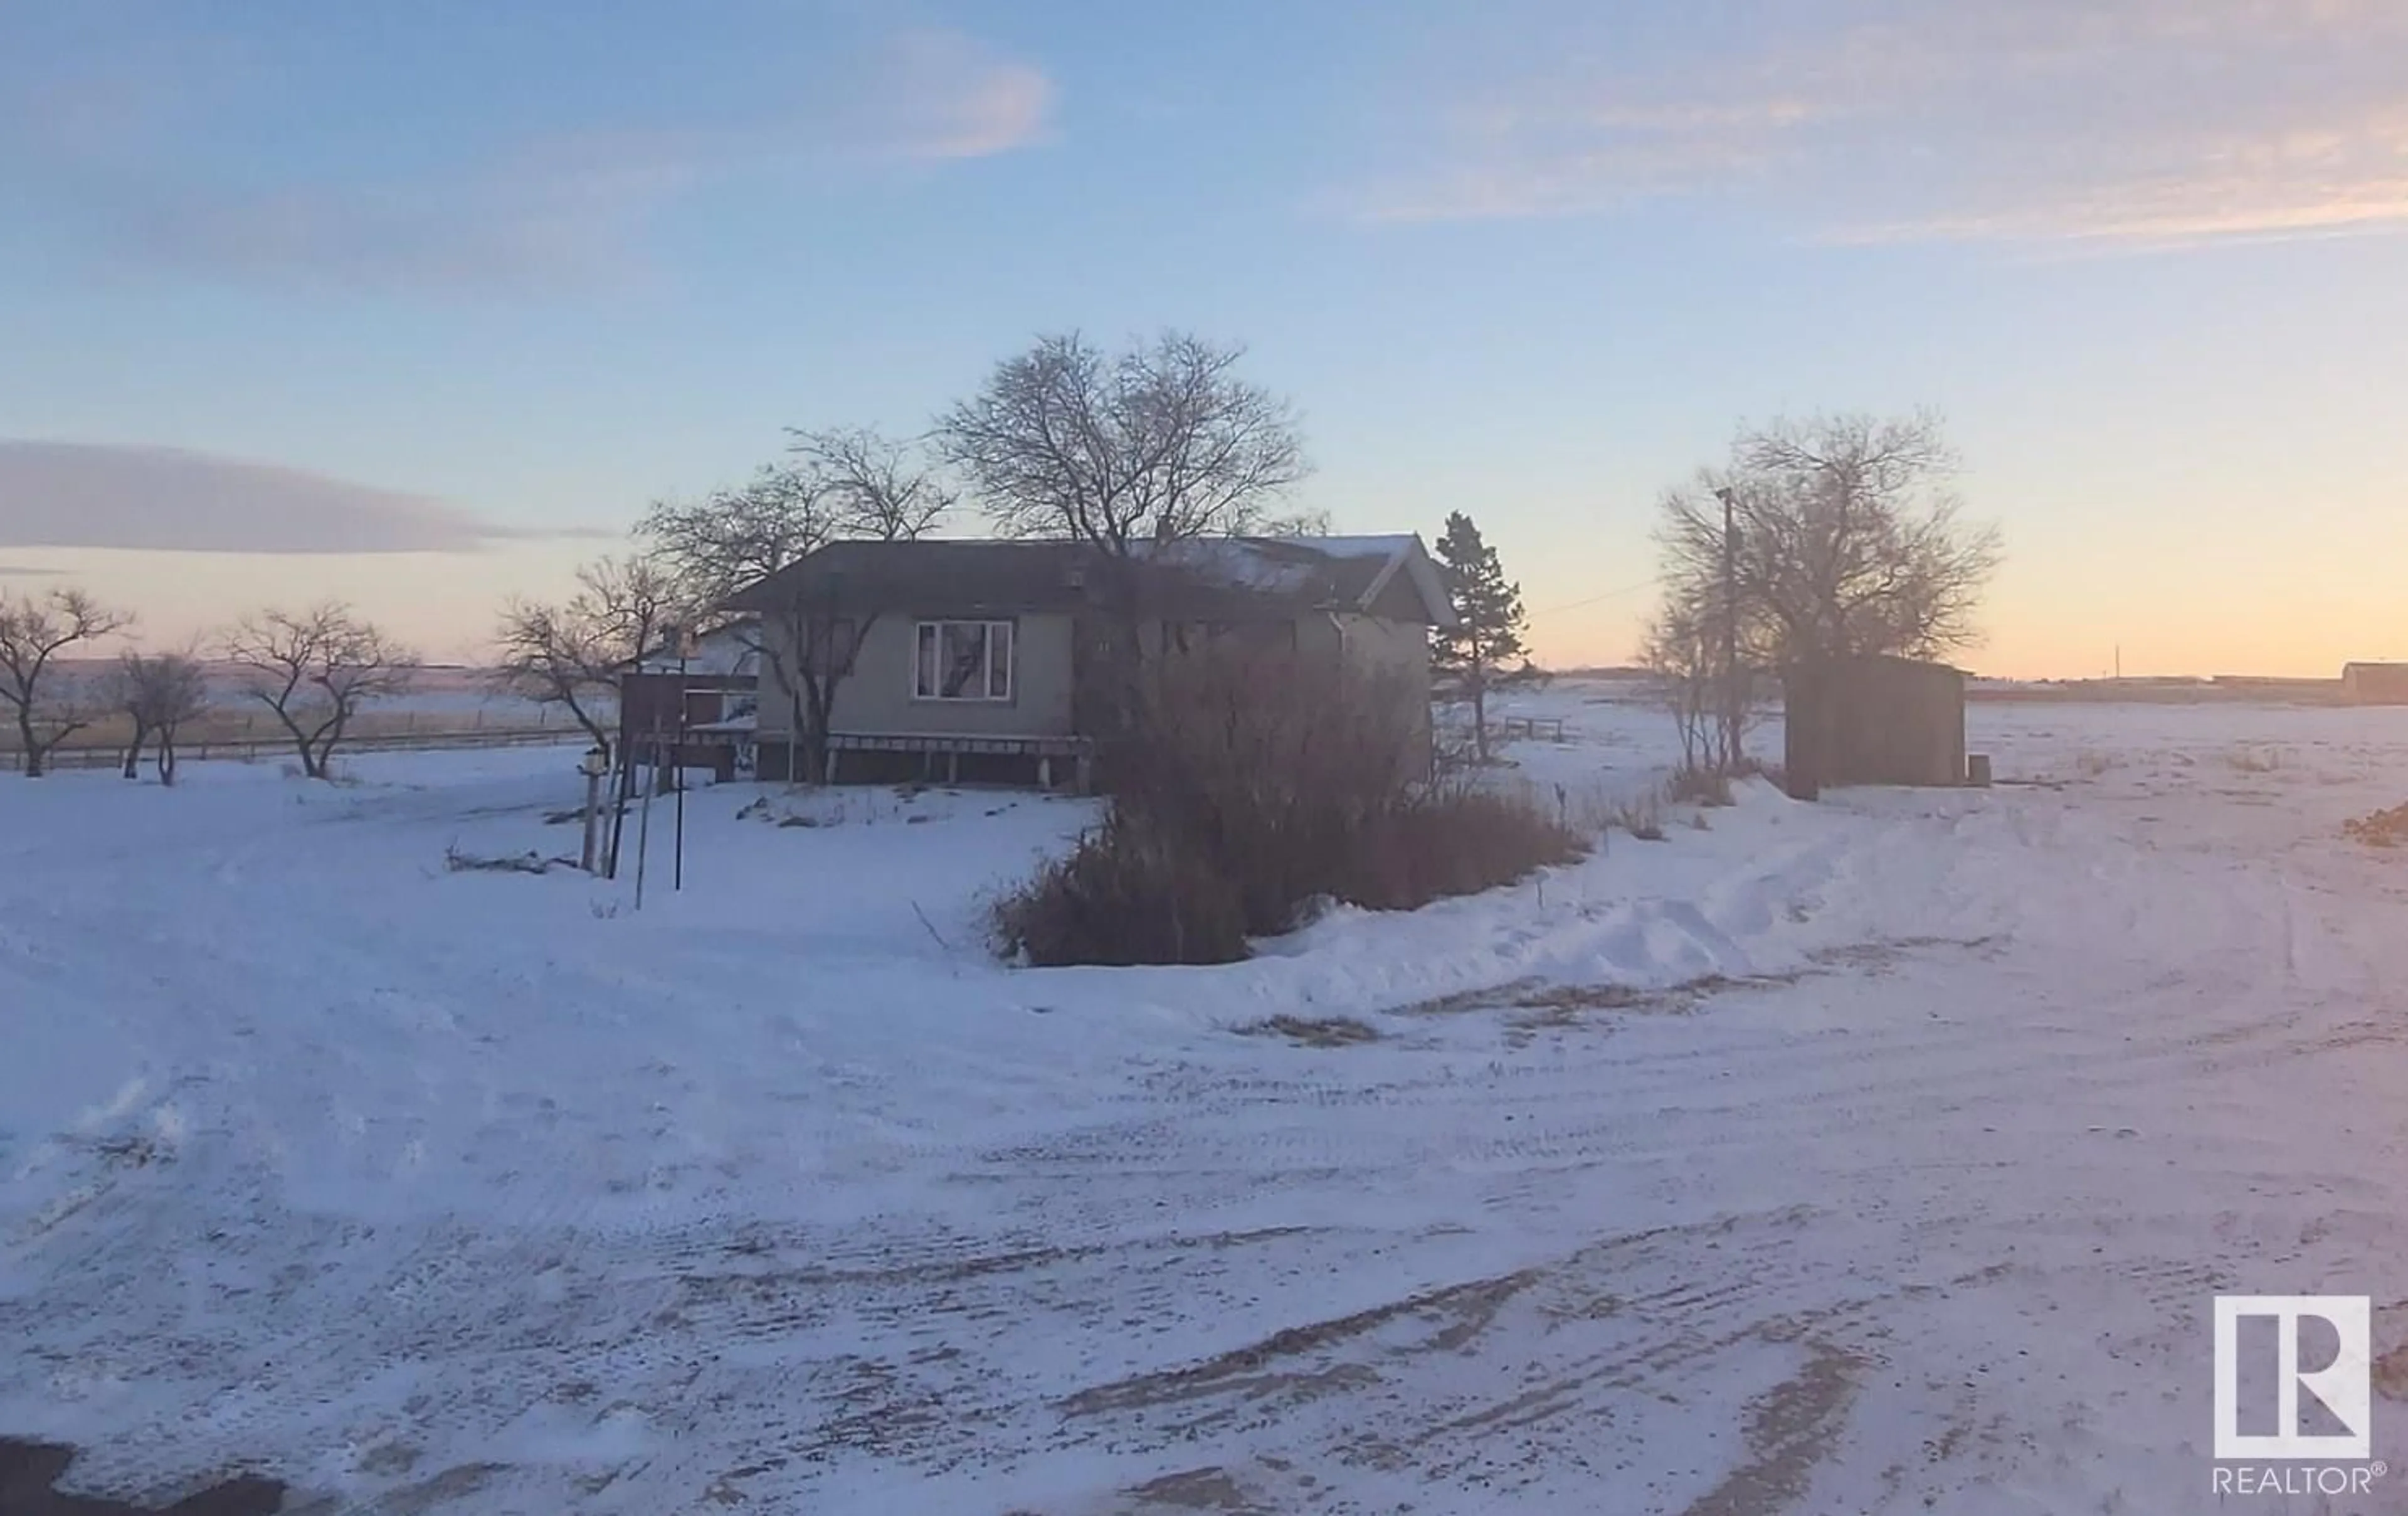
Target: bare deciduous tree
1683	650
1126	452
1850	540
867	486
874	486
809	643
125	695
571	654
49	705
735	538
1305	520
315	669
158	693
847	483
1159	443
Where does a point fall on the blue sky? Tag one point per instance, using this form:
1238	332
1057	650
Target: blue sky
493	276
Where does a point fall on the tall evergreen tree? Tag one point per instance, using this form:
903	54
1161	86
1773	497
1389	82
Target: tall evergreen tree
1488	636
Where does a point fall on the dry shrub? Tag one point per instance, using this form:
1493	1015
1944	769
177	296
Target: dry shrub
527	862
1335	1032
2382	828
1252	783
1642	817
1127	894
1696	786
1452	842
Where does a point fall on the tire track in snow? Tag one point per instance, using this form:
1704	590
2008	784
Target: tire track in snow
1288	1261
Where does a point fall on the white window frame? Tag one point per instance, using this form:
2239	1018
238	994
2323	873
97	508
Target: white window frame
987	691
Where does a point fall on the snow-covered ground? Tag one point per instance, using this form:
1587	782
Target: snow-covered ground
1878	1155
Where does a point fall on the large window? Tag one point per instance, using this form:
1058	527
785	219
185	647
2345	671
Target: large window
963	660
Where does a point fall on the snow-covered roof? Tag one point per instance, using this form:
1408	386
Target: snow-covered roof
1391	545
728	648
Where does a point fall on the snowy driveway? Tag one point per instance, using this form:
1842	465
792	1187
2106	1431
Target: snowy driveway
1878	1156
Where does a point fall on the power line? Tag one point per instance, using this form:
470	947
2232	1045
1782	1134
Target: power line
1598	600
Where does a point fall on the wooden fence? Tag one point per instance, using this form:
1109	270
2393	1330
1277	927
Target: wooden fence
1529	728
253	749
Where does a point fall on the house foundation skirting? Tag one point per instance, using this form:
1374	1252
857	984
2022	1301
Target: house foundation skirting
942	756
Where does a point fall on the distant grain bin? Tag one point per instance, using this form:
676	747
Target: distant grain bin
2374	684
1873	721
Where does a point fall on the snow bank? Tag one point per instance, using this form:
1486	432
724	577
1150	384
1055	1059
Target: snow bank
1920	1119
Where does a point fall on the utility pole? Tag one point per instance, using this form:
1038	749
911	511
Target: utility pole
1732	700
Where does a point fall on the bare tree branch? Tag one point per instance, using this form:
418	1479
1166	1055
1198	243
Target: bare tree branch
48	707
571	654
158	693
1159	443
875	486
1127	453
315	669
1683	650
1850	540
738	537
809	643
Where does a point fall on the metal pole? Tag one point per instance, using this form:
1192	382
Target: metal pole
677	768
623	776
593	807
1731	704
644	822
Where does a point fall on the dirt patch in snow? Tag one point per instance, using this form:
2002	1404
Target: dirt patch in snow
1197	1489
1788	1430
2379	829
1886	953
1548	1005
1461	1311
1559	1005
1334	1032
30	1473
2391	1374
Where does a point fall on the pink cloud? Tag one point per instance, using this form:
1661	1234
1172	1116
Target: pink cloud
954	98
70	495
2144	120
571	207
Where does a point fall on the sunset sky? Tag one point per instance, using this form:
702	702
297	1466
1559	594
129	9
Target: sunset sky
429	300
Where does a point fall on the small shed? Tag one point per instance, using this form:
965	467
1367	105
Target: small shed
2374	684
1872	720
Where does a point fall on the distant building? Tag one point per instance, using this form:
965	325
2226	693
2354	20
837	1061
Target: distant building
2374	684
1872	721
700	712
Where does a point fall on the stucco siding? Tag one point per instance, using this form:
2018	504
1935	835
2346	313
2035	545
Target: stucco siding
1383	647
876	699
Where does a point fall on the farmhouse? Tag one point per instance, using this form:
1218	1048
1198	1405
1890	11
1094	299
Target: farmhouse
969	659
